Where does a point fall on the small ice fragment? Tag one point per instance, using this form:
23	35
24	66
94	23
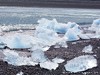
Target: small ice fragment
58	60
49	65
38	56
81	63
20	73
88	49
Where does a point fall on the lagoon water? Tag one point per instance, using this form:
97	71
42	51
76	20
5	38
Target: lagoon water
30	15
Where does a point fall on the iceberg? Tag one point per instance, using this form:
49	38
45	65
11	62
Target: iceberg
81	63
74	31
88	49
53	25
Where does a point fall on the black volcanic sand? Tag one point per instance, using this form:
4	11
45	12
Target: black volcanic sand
73	50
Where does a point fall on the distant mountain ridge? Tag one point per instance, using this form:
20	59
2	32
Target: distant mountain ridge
52	3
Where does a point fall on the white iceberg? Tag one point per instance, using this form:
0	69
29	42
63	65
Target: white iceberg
49	65
88	49
38	56
81	63
53	25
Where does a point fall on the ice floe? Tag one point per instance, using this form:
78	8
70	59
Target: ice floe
88	49
81	63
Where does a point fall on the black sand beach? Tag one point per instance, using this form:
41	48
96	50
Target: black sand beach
74	50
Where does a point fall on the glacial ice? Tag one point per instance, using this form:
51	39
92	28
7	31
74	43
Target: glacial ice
88	49
81	63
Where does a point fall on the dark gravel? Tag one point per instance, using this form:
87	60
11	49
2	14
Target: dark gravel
71	52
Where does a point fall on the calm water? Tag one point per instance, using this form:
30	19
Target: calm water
23	15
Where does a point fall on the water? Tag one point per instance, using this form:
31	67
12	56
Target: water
30	15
